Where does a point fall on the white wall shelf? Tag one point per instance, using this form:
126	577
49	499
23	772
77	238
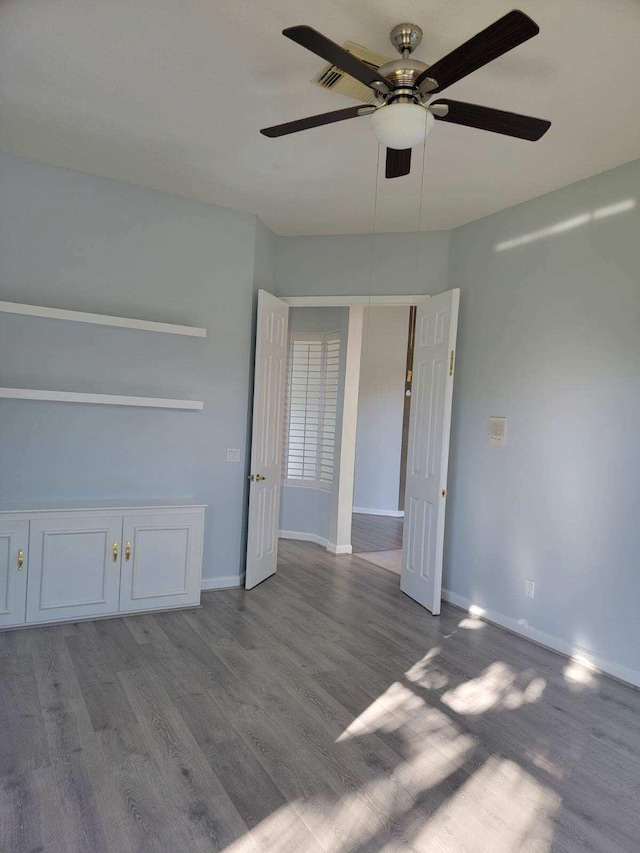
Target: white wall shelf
100	399
101	319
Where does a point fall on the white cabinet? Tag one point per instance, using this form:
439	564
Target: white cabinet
162	560
68	562
74	567
14	536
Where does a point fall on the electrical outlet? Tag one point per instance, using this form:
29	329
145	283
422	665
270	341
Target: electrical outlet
529	588
233	455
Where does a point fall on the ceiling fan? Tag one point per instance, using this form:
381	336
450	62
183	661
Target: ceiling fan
404	88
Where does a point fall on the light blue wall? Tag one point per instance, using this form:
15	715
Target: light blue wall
264	257
72	241
305	510
381	408
549	336
356	265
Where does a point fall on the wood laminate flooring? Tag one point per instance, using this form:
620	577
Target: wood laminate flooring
389	560
321	711
375	533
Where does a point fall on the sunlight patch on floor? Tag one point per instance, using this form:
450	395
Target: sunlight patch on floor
380	716
471	624
500	802
580	673
282	831
443	790
451	800
496	687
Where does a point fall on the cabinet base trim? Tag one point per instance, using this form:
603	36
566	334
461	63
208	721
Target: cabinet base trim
120	614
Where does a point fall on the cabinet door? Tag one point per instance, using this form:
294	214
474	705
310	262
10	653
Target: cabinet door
74	568
162	561
14	537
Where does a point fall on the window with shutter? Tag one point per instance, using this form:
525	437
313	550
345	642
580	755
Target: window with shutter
311	409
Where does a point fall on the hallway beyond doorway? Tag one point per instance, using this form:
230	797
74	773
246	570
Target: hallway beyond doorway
375	533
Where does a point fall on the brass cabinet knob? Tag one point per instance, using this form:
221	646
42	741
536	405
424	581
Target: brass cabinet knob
20	559
114	552
127	551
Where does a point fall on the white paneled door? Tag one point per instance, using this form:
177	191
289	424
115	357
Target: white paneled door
428	451
266	441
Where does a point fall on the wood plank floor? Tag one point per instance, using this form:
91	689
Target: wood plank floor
375	533
389	560
321	711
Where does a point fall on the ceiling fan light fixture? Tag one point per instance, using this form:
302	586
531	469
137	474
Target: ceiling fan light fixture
401	126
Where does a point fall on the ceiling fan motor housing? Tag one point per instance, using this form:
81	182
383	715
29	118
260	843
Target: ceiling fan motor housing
402	74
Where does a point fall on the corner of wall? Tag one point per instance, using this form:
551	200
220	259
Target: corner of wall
265	245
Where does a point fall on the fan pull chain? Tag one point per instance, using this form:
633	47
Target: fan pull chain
373	224
424	159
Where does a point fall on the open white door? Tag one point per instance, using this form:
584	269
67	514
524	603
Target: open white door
428	451
266	438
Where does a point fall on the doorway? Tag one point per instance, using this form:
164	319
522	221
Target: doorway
428	436
382	435
312	423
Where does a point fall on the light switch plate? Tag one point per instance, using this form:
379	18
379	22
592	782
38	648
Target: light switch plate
233	455
498	431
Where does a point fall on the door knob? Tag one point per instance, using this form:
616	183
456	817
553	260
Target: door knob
20	559
256	478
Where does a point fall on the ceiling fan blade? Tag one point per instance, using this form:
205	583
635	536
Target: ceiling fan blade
497	121
398	162
336	55
315	121
502	36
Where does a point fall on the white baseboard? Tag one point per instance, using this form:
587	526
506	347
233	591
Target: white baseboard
339	549
394	513
319	540
221	583
571	650
303	537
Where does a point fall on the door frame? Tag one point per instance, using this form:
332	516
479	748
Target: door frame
342	500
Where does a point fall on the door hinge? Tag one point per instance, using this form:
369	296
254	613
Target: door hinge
409	375
451	363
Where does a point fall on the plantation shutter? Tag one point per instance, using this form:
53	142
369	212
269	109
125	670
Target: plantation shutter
329	409
311	409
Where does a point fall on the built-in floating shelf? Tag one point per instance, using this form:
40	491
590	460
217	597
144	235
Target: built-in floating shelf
101	319
99	399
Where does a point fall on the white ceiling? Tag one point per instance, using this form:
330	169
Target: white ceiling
171	94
